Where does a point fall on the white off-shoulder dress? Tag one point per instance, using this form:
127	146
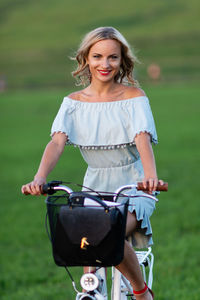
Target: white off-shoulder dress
105	132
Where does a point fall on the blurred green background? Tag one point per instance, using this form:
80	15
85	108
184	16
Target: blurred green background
36	40
37	37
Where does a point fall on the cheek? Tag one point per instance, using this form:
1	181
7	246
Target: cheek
116	64
93	64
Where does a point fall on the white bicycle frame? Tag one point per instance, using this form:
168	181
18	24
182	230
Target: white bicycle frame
121	288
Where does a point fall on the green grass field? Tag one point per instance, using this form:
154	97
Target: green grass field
37	37
27	270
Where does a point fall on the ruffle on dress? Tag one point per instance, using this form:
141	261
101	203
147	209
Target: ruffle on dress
104	124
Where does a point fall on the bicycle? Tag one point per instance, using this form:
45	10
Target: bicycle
94	283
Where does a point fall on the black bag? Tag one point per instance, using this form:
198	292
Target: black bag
86	235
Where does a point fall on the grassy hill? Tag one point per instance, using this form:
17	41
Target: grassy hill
37	37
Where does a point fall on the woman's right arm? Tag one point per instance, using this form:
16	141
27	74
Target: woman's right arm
51	155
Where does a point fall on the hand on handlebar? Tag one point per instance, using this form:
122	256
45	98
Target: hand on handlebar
34	187
151	184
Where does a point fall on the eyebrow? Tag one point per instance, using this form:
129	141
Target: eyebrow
95	53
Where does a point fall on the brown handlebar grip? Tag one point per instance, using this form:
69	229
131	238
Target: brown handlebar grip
160	187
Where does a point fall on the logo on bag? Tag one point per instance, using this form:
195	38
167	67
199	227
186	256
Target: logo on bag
84	243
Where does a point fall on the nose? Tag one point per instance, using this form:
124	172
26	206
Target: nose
105	63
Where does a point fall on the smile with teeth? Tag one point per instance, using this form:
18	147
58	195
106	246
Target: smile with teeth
104	72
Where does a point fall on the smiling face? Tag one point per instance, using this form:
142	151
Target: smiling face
104	60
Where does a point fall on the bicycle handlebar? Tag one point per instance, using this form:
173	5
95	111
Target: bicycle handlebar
160	188
53	186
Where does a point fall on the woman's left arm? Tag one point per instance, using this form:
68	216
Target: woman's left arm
144	147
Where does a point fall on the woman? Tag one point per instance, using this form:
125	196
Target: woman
111	121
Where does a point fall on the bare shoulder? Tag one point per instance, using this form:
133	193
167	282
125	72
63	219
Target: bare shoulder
132	92
75	95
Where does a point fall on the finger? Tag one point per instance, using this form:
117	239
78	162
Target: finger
31	188
151	184
144	183
161	182
35	188
27	189
26	193
24	190
38	189
155	184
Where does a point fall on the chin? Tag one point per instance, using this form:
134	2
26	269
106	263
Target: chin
106	78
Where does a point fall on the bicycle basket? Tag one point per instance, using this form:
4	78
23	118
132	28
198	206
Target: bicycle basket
86	235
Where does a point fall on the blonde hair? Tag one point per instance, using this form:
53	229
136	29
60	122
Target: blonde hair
125	74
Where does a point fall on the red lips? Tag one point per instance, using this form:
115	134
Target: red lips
104	72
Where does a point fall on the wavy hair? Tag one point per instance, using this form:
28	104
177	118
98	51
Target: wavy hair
125	74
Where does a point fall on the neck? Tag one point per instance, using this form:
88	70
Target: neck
101	89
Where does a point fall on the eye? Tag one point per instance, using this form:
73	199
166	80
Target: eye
96	56
114	57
